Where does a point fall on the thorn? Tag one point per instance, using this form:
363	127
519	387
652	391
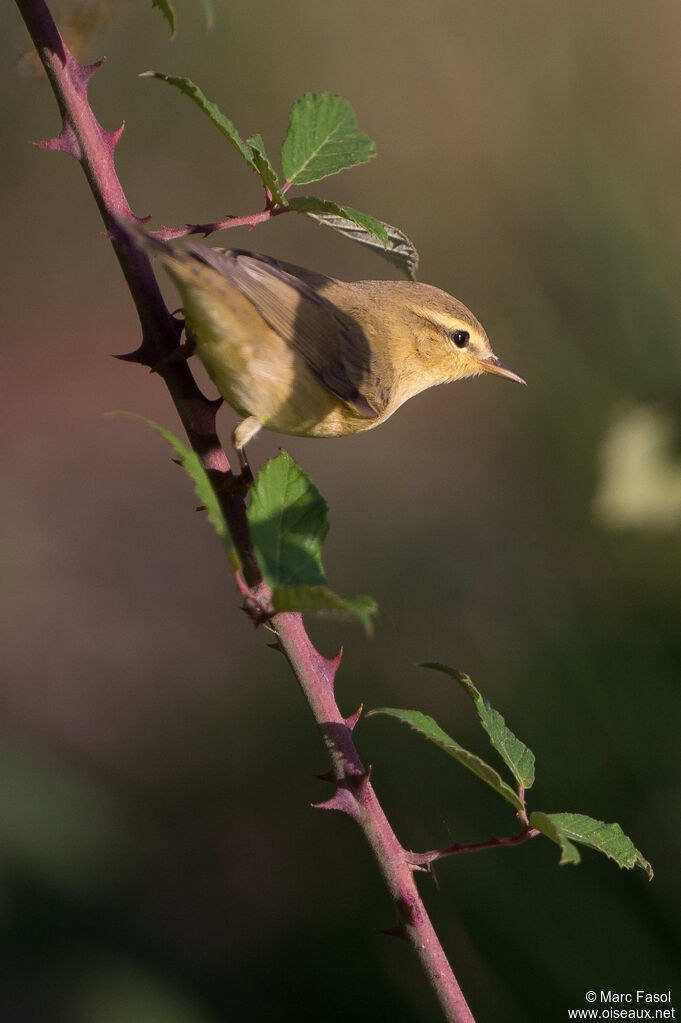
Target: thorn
354	718
113	137
139	355
327	776
86	71
342	800
328	666
336	660
359	782
144	355
275	646
404	910
64	142
397	931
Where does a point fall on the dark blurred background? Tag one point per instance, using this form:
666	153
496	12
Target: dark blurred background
159	860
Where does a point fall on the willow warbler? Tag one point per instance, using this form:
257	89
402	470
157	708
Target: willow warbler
304	354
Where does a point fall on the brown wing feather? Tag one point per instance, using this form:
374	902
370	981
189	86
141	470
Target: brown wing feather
330	341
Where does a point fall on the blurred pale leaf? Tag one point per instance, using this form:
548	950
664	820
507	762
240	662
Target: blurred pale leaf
639	483
208	7
168	12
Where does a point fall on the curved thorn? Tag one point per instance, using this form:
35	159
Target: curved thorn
354	718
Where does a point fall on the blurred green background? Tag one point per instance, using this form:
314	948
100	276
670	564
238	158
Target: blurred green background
159	860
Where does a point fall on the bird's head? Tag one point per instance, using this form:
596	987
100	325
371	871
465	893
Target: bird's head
449	340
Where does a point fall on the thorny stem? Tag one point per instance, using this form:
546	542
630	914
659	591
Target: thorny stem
355	796
83	137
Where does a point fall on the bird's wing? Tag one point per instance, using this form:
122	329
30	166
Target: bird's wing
330	341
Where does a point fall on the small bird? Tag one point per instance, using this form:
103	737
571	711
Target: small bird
300	353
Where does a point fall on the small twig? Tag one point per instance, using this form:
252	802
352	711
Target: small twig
272	209
250	220
493	842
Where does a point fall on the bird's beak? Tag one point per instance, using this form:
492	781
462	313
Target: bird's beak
492	365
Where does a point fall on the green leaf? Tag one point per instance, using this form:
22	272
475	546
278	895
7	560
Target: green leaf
252	150
211	110
203	488
288	524
265	169
430	729
367	224
515	754
166	9
320	599
566	828
322	139
398	250
542	822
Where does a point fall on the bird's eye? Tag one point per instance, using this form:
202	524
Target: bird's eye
460	338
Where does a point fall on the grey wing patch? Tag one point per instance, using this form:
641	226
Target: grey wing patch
224	260
331	342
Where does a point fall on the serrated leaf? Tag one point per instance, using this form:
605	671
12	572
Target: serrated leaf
203	488
322	600
542	822
515	754
288	524
211	110
429	728
265	169
399	250
166	9
322	139
367	224
609	839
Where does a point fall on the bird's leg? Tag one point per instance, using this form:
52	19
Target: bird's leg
242	435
